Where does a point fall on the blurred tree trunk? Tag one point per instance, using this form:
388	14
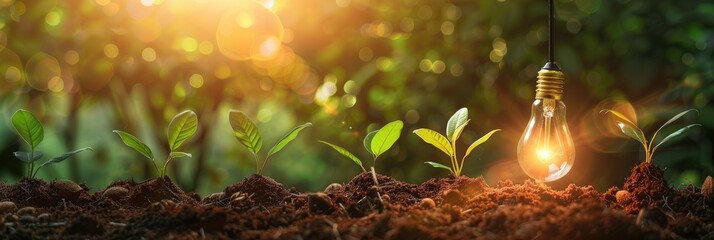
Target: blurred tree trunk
70	134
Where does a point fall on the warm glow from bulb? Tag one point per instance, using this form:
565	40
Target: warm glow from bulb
544	155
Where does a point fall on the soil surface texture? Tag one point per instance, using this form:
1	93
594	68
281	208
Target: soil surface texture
367	207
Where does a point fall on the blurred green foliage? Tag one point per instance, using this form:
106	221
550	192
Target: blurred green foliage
86	67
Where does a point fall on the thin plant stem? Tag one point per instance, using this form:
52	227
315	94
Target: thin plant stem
263	165
166	164
32	164
257	164
156	167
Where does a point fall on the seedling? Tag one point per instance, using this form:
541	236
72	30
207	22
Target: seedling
630	129
247	134
181	127
454	127
31	131
376	143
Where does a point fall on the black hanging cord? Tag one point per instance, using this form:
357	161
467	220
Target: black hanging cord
551	39
550	65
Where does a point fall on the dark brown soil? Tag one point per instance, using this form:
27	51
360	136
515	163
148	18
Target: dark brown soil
446	208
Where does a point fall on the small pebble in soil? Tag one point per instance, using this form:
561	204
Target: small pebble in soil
453	197
319	203
427	203
67	189
43	217
28	219
708	188
115	193
386	198
11	218
67	185
163	205
214	197
238	196
26	211
651	216
622	196
333	187
7	207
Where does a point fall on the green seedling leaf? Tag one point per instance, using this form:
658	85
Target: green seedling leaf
345	153
64	156
458	131
632	132
674	135
136	144
439	165
671	120
179	154
386	137
287	139
368	141
245	131
181	127
436	139
480	141
458	119
25	156
29	128
621	117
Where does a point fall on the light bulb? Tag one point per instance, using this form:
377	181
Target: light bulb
546	151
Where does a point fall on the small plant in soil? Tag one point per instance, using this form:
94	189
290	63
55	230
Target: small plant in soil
181	127
447	144
630	129
376	143
32	132
248	135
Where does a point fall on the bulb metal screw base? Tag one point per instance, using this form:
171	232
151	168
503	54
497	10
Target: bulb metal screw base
550	83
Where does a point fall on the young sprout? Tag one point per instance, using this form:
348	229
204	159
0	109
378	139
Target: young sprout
247	134
454	127
31	131
181	127
376	142
630	129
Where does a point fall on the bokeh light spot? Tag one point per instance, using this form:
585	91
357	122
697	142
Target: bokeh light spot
71	57
147	3
447	28
438	66
111	50
189	44
222	71
350	87
196	81
456	70
349	100
366	54
55	84
54	17
41	68
249	30
425	65
265	115
205	47
412	116
244	20
267	49
11	69
148	54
